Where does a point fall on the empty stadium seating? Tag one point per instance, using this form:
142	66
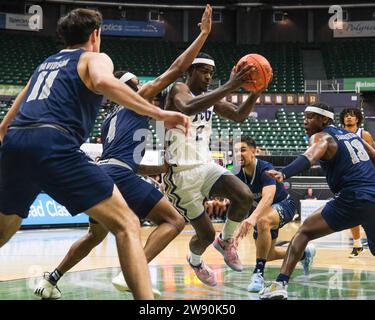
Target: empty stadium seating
349	58
20	54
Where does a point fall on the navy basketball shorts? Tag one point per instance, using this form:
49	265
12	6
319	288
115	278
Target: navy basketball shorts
286	210
140	195
36	159
347	210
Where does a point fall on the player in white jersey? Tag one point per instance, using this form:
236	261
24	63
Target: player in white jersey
351	119
193	176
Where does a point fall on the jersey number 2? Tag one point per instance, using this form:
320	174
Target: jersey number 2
46	77
357	151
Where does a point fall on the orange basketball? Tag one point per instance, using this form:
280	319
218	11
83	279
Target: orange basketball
263	76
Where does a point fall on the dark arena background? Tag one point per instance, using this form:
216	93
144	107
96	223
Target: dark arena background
315	57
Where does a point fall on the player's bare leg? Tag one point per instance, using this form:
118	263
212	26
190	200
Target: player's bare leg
269	220
205	235
169	225
9	225
313	227
357	244
82	247
115	214
230	187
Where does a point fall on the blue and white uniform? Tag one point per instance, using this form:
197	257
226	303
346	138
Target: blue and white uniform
351	177
282	202
122	155
41	150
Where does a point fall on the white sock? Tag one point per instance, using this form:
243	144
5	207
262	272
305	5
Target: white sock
195	259
230	227
357	243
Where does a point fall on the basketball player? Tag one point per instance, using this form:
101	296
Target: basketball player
274	208
351	119
192	175
348	162
40	151
121	161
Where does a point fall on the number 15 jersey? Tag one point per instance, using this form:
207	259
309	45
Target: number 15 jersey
351	169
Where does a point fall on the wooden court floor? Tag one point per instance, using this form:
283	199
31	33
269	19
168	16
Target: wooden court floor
30	253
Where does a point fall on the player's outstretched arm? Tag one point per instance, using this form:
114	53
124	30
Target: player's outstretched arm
268	194
12	111
102	81
182	63
188	105
319	145
230	111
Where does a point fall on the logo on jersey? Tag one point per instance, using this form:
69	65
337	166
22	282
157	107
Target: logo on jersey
203	116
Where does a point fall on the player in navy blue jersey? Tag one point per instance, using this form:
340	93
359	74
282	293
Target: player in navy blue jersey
120	159
273	208
351	119
49	120
349	165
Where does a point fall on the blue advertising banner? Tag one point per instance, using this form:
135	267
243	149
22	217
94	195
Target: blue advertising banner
46	211
2	20
133	28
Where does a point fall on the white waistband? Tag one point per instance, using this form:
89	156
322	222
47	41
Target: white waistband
114	162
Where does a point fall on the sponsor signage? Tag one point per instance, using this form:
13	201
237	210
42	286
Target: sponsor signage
354	29
46	211
360	84
19	22
133	28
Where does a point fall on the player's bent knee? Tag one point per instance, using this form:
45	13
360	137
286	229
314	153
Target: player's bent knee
179	223
126	224
173	218
263	223
304	233
96	237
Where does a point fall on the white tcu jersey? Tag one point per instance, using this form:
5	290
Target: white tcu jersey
193	149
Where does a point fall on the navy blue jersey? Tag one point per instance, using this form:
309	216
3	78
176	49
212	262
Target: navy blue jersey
351	169
119	139
260	180
58	96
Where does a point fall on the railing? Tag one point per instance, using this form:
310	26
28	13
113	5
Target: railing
333	85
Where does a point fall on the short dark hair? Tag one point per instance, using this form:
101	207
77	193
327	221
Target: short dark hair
352	111
249	141
324	106
200	55
76	27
